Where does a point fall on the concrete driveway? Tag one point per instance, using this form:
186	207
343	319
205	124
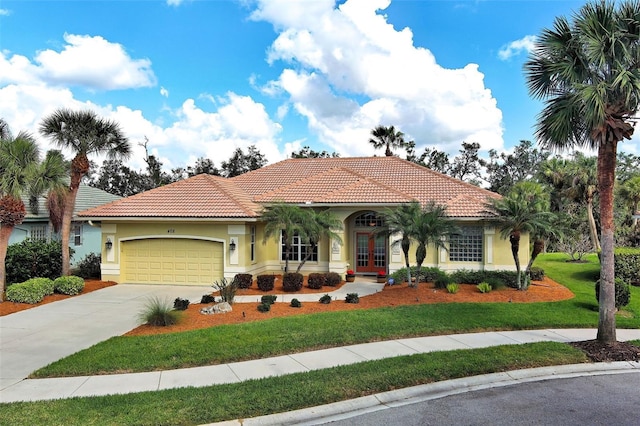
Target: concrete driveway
36	337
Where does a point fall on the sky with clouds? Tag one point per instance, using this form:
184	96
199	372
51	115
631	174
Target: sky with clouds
201	78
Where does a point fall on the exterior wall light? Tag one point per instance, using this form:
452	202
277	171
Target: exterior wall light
108	244
232	245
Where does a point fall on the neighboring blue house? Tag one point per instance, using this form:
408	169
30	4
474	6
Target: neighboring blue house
85	236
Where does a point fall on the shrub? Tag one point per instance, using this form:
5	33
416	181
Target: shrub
208	298
180	304
32	259
325	300
31	291
295	303
292	281
316	281
453	288
627	265
352	298
89	266
269	299
509	278
495	283
227	290
333	279
536	274
243	280
424	275
266	282
70	285
264	307
465	276
442	281
484	287
159	312
623	293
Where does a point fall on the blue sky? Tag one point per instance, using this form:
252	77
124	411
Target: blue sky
201	78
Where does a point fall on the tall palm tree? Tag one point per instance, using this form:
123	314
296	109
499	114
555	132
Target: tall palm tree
21	173
318	225
400	221
387	137
431	226
84	133
286	221
584	188
586	72
516	214
630	192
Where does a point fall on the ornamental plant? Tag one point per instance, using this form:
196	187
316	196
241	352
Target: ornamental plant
350	272
382	273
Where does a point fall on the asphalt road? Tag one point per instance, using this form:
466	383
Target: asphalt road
593	400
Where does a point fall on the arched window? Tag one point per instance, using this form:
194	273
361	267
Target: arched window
369	220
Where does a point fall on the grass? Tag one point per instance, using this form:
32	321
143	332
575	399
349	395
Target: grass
231	343
191	406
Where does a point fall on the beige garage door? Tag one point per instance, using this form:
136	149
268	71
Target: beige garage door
172	261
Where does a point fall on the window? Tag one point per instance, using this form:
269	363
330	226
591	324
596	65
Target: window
467	245
253	243
38	232
299	251
76	231
370	219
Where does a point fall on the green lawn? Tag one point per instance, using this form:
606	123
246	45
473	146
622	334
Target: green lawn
293	334
308	332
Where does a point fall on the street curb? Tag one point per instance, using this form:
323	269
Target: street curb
397	398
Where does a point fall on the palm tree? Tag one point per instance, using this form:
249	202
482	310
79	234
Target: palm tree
584	188
586	73
630	192
515	214
387	137
431	226
84	133
21	173
399	221
284	220
318	225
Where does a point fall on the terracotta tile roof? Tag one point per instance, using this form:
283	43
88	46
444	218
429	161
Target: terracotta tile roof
202	196
359	180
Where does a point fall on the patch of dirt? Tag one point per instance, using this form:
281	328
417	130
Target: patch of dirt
397	295
601	352
7	307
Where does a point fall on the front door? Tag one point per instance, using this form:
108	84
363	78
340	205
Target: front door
371	252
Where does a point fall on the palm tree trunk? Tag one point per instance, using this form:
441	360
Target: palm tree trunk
606	181
593	230
538	247
65	232
514	239
5	233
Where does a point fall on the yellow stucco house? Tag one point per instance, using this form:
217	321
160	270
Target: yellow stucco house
201	229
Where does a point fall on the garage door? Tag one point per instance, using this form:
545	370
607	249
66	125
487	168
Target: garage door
172	261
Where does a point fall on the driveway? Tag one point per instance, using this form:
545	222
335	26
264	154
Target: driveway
36	337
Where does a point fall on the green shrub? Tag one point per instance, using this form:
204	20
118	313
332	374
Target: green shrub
295	303
325	300
227	290
333	279
264	307
536	274
266	282
269	299
316	281
352	298
627	265
453	288
509	278
31	291
70	285
292	281
424	275
208	298
465	276
180	304
442	281
243	280
623	293
89	266
158	312
32	259
495	283
484	287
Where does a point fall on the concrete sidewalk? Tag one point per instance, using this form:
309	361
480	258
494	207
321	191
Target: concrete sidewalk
55	388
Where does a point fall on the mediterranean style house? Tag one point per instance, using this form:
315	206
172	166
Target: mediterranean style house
84	239
201	229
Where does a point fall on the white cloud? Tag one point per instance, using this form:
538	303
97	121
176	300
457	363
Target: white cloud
95	63
164	92
525	44
348	70
5	12
174	2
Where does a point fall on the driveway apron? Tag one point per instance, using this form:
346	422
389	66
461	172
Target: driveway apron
36	337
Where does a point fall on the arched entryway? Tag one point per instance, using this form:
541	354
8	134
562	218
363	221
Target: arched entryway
371	248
